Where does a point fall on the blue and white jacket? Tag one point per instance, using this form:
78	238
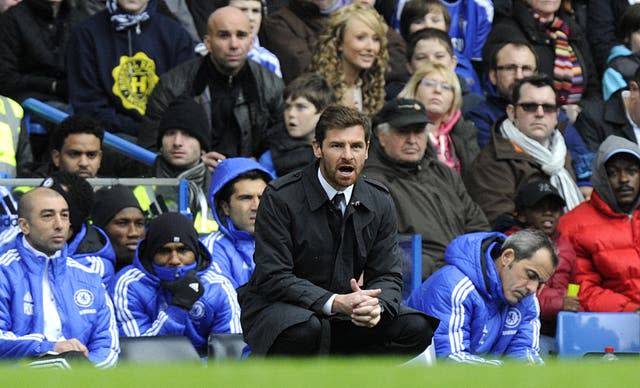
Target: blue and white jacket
476	322
85	309
231	249
143	309
92	248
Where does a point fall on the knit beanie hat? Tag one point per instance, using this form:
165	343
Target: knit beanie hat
77	192
189	116
109	201
169	228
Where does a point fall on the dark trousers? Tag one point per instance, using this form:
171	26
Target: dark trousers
406	334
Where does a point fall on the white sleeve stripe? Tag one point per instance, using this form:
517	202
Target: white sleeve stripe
114	346
457	319
124	315
234	323
157	325
9	257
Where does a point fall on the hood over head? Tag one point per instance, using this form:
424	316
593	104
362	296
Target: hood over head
612	145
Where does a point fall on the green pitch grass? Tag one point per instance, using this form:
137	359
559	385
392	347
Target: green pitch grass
351	373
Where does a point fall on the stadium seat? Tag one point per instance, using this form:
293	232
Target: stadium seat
582	334
157	350
226	347
411	246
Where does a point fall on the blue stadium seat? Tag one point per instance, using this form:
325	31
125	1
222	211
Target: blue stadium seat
580	334
411	246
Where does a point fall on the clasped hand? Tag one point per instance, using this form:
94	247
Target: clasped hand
362	306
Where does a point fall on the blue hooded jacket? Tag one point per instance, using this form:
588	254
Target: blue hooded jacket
475	319
231	249
143	309
92	248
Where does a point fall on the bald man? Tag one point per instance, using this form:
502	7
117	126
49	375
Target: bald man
242	99
49	303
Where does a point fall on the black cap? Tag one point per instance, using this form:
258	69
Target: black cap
109	201
402	112
533	192
169	228
186	114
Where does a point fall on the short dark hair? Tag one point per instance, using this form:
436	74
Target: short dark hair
416	9
493	59
629	23
340	117
313	87
225	193
426	34
526	242
537	80
75	124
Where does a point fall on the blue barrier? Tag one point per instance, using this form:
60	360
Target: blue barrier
54	115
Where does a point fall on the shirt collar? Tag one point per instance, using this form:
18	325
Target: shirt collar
331	192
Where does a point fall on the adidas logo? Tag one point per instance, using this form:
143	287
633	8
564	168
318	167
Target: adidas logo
194	286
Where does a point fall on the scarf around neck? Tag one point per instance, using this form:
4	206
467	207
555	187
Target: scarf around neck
122	20
441	141
551	161
567	72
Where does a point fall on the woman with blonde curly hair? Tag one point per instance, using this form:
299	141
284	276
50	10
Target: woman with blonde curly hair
351	54
452	139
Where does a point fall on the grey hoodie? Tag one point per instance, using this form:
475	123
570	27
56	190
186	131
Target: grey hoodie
610	146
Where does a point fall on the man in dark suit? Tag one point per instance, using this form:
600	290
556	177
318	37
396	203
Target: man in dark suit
317	232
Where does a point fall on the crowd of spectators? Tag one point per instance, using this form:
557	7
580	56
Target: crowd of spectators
481	121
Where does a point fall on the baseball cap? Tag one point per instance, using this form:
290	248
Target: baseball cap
402	112
533	192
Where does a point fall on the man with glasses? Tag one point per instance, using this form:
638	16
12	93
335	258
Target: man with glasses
525	146
511	61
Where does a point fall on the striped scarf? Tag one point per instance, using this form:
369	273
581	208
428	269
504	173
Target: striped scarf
567	72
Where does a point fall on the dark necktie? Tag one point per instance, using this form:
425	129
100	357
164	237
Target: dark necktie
338	202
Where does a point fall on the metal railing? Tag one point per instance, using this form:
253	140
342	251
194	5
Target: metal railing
54	115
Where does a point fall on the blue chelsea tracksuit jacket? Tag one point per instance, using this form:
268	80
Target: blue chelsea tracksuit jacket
475	320
85	310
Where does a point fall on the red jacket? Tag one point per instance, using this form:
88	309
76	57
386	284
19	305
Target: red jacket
607	246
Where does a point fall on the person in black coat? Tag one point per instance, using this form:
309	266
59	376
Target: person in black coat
32	49
317	232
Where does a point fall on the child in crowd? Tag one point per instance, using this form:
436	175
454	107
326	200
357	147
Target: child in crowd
305	98
624	59
539	206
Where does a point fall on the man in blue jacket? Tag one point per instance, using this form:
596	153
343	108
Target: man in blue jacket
50	303
172	289
485	296
236	188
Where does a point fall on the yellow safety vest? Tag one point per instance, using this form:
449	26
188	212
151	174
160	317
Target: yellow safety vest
146	196
11	114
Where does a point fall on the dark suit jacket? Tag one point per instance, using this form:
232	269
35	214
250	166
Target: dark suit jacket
300	263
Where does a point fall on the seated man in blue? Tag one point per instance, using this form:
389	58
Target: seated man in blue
50	303
236	188
86	243
485	296
171	288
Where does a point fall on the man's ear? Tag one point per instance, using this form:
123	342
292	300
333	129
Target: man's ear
511	112
24	226
225	208
317	149
55	158
507	257
493	77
